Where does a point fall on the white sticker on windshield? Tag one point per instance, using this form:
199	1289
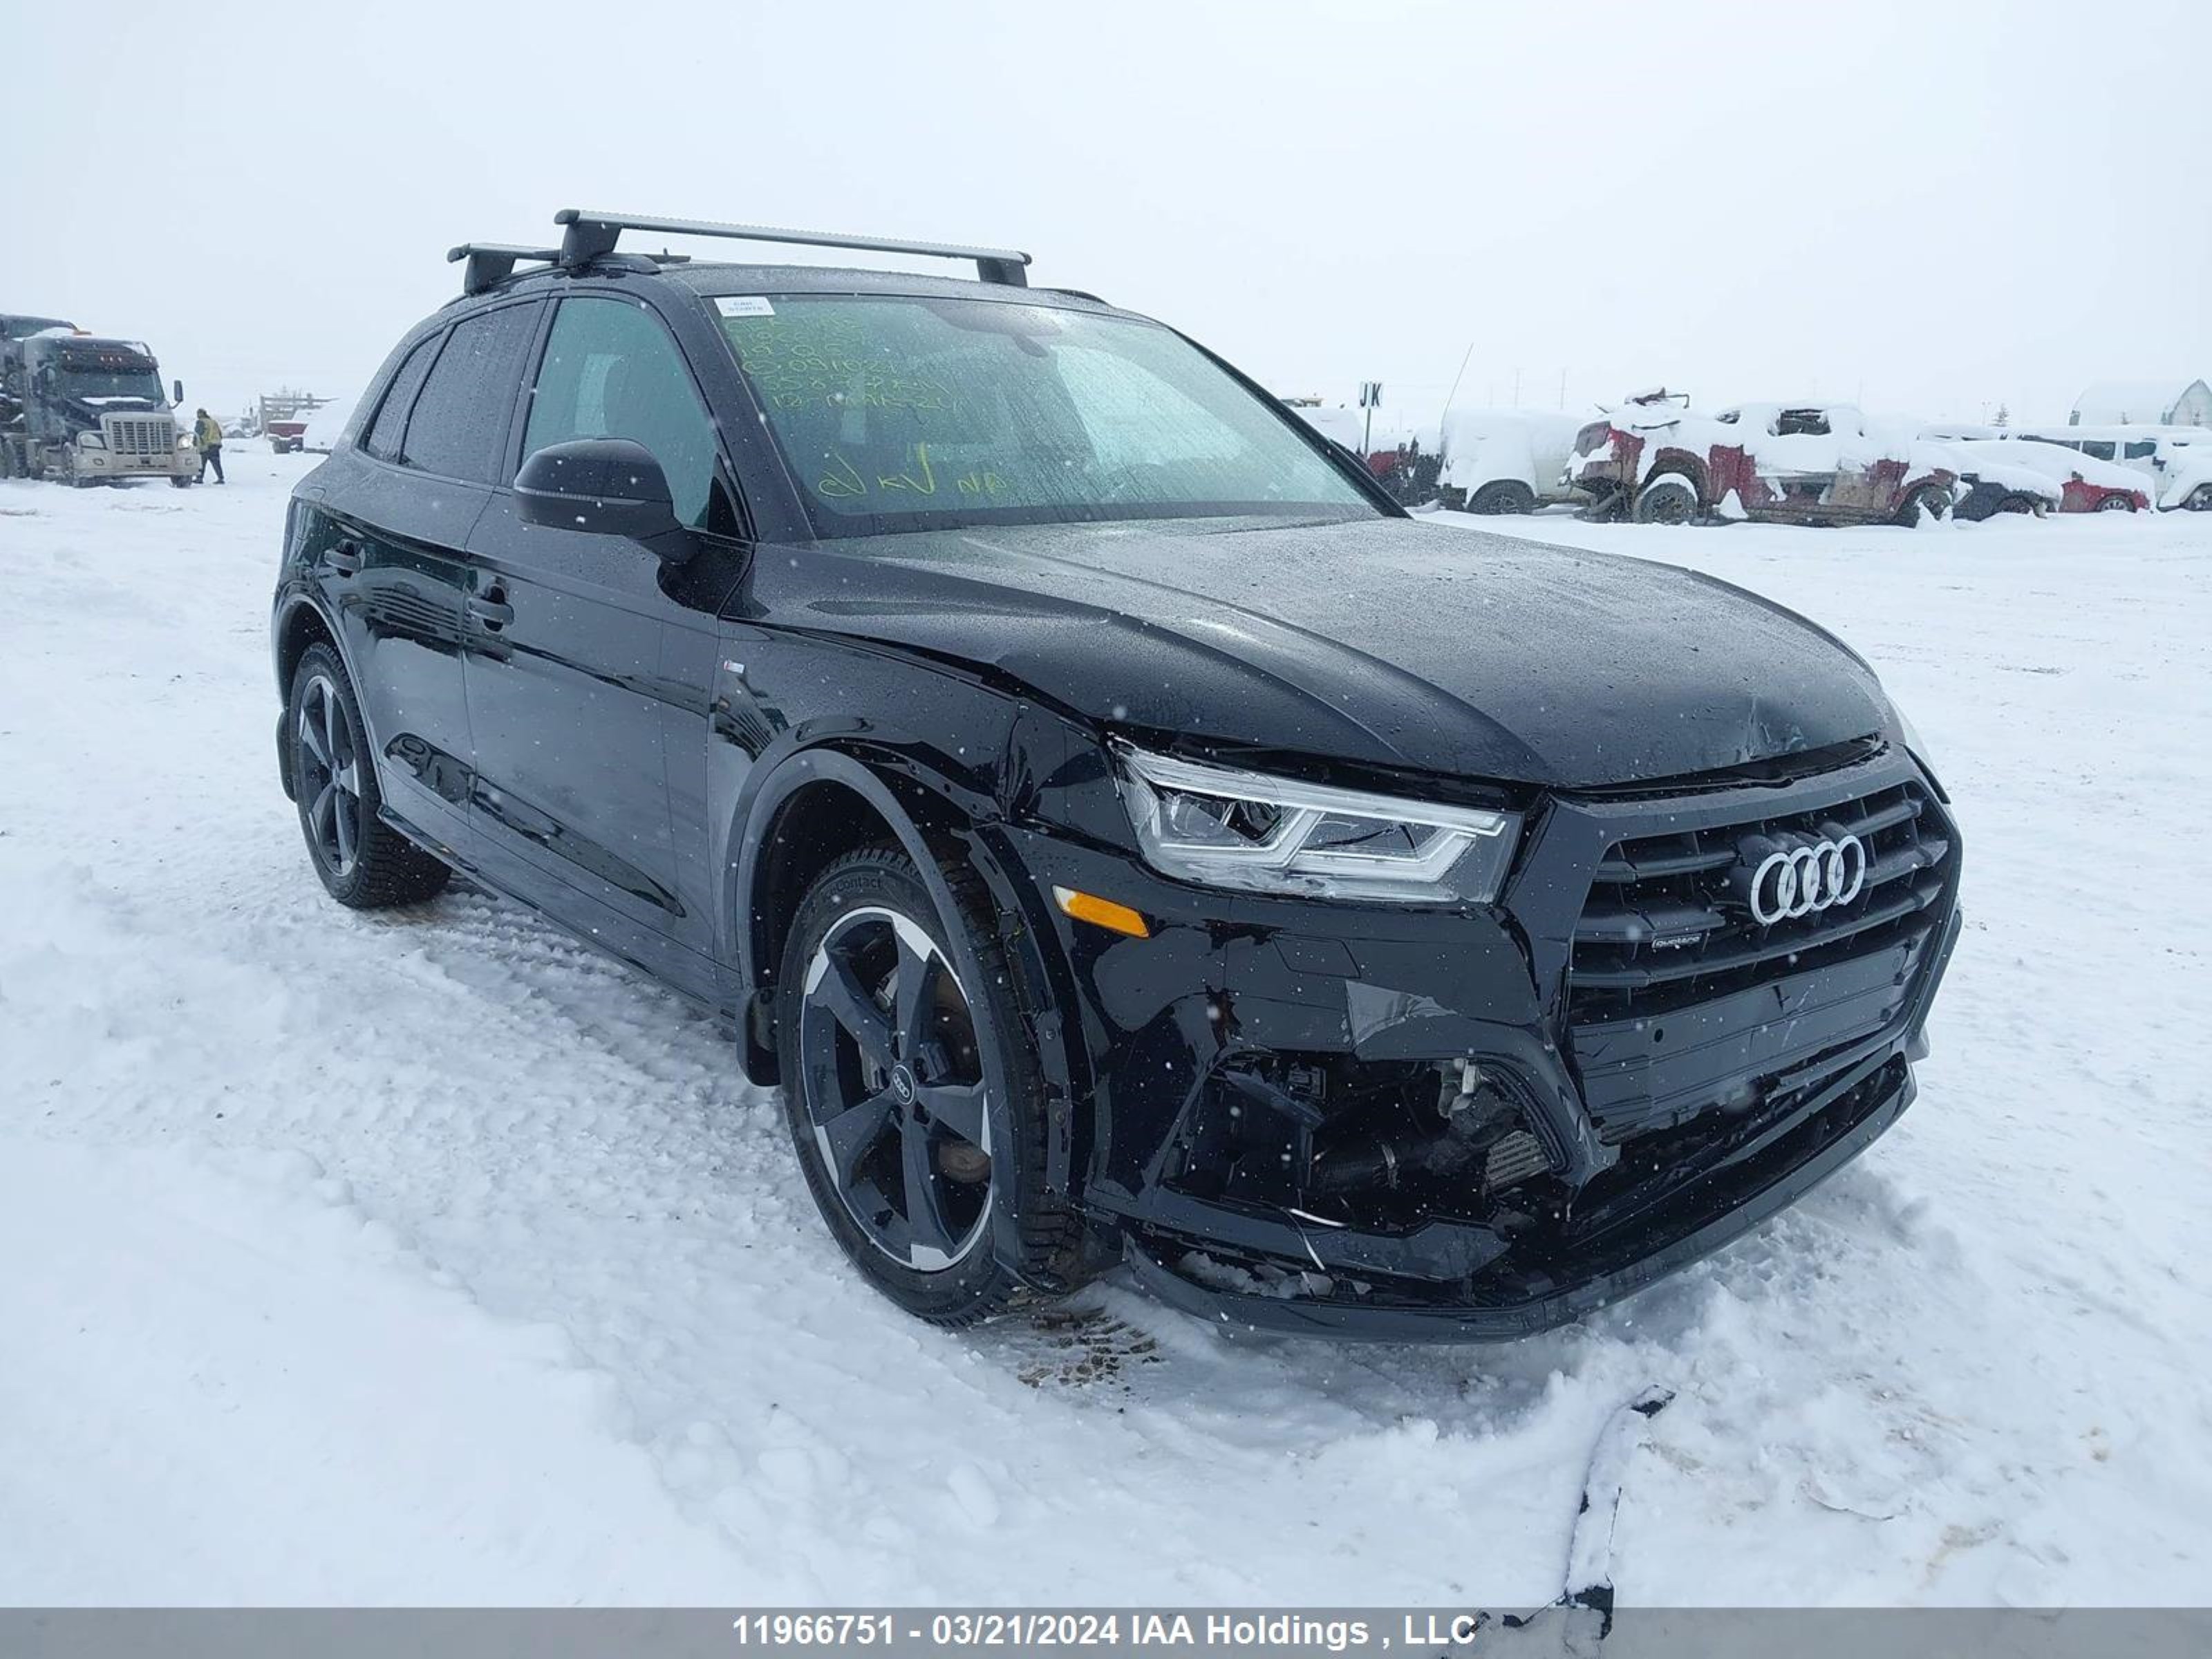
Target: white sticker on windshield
744	305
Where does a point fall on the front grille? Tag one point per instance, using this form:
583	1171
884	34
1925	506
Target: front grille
138	437
1681	1000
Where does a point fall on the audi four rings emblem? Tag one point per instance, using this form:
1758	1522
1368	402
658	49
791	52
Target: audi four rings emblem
1802	879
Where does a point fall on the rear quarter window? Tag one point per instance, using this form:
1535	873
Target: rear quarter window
457	428
386	431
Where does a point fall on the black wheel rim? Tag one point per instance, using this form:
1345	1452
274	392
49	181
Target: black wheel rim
893	1089
329	776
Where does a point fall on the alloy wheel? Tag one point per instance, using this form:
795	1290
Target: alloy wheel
893	1089
329	776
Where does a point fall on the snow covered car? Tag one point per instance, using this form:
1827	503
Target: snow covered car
2086	484
1119	829
2174	464
319	433
1506	460
1994	478
1655	460
2185	465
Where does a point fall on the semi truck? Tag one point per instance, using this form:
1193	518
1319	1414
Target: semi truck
82	409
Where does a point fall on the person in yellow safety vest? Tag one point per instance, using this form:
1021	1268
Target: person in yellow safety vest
207	433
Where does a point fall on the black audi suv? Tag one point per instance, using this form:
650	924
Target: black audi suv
1121	832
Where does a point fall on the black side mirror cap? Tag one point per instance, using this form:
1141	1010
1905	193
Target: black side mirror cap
177	392
606	487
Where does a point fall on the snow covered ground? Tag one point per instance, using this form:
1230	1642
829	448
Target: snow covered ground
430	1258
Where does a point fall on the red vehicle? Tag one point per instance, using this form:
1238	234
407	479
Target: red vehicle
2087	484
2073	479
1657	462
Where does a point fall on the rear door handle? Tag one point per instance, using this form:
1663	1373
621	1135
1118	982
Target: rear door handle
491	609
344	557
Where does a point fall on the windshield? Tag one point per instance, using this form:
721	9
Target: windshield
899	413
109	374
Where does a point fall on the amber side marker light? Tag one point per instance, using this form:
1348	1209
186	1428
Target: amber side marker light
1101	913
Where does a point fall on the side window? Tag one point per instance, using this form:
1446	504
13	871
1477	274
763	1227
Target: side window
383	439
2141	450
612	371
2097	448
459	427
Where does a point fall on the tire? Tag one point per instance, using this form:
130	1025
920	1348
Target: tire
179	482
916	1092
1930	500
1504	496
2117	504
2017	504
1669	498
363	862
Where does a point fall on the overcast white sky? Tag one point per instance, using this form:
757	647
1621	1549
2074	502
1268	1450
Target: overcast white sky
1934	207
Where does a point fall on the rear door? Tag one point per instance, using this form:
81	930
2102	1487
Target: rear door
388	550
599	650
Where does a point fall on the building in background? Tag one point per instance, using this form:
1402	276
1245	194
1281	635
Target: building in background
2144	403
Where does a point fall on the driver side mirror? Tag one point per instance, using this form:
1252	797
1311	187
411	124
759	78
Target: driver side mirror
605	486
177	393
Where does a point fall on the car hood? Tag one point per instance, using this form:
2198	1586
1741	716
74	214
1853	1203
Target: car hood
1388	641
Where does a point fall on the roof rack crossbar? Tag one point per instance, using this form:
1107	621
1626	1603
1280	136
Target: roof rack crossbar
493	263
591	235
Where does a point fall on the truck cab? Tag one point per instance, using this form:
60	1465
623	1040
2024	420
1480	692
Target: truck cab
82	409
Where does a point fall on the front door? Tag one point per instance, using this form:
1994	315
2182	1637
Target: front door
594	651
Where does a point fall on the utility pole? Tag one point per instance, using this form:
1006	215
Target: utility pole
1452	396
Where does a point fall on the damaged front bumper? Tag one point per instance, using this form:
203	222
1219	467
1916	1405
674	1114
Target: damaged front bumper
1628	1247
1469	1125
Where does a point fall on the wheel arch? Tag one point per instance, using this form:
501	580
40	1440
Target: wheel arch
300	623
811	808
821	802
1673	459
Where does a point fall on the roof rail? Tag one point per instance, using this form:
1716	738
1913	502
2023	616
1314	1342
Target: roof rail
592	234
493	263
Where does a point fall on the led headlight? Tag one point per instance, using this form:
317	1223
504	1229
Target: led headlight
1233	829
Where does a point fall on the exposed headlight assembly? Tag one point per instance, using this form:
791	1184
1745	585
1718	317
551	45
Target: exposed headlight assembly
1226	828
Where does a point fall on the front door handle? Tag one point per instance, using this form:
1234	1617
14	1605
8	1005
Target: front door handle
344	556
491	609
